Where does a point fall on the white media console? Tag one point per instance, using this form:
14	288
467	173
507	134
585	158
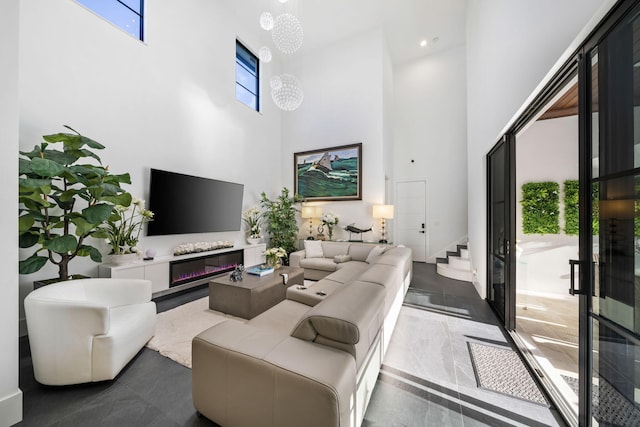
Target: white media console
158	270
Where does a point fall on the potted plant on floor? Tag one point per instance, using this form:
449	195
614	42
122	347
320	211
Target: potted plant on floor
65	196
280	218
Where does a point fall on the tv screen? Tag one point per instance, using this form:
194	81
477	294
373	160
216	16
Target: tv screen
189	204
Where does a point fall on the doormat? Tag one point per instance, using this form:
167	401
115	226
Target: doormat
608	405
501	370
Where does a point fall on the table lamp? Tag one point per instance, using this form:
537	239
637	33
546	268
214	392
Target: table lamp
383	212
310	212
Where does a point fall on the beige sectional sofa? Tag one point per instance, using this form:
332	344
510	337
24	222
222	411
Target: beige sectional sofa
313	359
321	258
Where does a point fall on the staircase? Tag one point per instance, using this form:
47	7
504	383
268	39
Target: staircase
456	265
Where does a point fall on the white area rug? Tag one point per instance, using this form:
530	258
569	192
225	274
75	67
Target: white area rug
176	328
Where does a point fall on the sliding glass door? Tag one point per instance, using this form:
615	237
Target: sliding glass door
500	223
610	364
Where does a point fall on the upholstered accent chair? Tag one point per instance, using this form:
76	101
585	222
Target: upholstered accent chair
87	330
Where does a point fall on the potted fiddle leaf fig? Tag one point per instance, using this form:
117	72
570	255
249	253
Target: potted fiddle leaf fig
65	196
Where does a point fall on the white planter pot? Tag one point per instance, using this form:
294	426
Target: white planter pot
121	259
253	241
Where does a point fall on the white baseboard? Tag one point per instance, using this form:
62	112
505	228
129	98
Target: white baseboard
11	409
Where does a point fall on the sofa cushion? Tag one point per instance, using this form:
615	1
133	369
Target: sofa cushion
313	249
325	264
359	252
348	319
332	249
374	254
347	271
281	317
338	259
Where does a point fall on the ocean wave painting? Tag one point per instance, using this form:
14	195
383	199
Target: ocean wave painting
329	174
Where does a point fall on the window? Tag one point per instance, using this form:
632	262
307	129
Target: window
247	80
126	14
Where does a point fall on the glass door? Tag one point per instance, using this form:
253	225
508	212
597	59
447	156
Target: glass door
500	223
610	260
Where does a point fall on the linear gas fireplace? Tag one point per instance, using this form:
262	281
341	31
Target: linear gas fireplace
193	269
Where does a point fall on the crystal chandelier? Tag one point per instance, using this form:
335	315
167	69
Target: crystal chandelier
286	92
287	35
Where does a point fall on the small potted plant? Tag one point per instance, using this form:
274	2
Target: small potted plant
280	218
329	220
253	220
123	230
274	257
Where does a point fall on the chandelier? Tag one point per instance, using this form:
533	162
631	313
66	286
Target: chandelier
287	35
286	92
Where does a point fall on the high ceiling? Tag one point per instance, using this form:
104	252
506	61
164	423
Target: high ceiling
405	22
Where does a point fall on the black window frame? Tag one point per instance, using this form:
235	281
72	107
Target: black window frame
119	3
242	49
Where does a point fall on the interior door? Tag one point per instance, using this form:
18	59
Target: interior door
411	217
501	232
610	288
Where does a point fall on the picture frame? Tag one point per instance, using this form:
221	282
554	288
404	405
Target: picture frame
329	174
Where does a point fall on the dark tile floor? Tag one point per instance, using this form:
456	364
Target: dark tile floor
427	378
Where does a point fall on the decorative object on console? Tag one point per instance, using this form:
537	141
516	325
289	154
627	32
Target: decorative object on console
62	203
351	228
330	220
252	218
149	254
236	274
190	248
333	173
280	218
310	212
123	228
274	257
383	212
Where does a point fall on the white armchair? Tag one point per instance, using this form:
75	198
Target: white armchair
87	330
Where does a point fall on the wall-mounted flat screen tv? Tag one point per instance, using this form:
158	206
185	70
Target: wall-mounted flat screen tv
190	204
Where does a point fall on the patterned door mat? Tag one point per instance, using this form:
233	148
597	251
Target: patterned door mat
609	406
502	370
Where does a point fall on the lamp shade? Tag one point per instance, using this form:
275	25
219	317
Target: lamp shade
383	211
311	212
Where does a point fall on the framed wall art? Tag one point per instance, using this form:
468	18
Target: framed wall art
333	173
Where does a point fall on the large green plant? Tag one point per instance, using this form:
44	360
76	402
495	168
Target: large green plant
280	218
64	199
540	208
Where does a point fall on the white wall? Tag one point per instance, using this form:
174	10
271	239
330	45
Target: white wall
511	46
343	104
10	394
546	151
168	103
430	128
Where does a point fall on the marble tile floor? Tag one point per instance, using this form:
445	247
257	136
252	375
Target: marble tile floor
427	378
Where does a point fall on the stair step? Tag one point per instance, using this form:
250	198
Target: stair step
442	260
464	253
462	246
454	273
460	263
452	253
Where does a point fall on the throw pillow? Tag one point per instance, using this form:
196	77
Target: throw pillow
341	258
374	254
313	249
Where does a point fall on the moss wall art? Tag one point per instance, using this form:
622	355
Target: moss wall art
540	208
571	207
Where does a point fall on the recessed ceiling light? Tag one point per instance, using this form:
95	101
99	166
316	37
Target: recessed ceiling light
423	43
